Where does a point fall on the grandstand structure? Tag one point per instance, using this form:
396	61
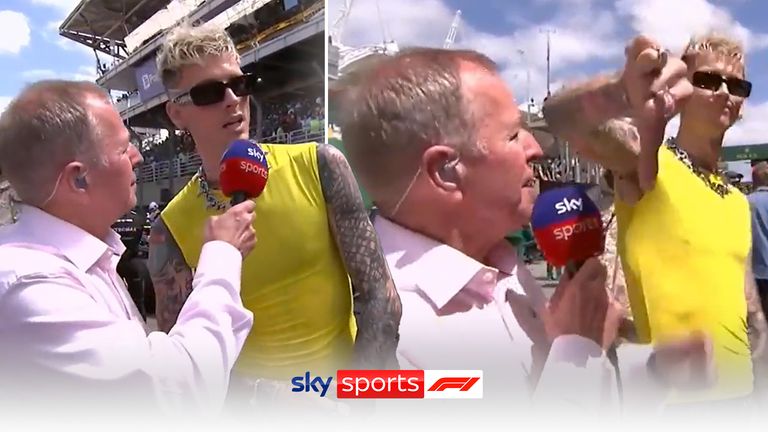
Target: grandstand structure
281	41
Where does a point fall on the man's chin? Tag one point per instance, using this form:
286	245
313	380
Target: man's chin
238	135
132	203
524	212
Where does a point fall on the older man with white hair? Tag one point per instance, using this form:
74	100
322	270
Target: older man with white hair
437	139
70	336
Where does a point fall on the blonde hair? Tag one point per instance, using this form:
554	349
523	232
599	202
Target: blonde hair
718	44
187	44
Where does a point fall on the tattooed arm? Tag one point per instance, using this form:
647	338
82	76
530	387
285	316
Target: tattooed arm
171	276
591	116
578	110
378	317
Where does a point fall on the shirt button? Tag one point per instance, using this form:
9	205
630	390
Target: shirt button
488	277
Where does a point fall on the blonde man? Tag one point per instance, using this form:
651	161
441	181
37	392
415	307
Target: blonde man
681	278
316	245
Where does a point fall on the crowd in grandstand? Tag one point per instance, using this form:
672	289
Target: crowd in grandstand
281	119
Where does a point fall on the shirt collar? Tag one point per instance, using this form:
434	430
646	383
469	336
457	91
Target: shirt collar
439	270
78	246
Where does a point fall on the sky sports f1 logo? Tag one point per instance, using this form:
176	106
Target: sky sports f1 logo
395	384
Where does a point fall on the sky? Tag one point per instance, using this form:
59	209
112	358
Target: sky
587	38
31	48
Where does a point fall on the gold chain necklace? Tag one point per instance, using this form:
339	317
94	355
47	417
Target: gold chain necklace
721	189
211	202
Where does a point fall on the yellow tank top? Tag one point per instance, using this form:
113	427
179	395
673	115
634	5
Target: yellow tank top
294	281
684	251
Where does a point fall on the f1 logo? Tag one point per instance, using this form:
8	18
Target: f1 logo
461	383
453	384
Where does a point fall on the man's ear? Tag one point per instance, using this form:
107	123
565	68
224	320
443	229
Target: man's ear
440	163
175	114
73	177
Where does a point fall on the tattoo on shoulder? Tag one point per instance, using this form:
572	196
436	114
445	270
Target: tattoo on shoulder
377	304
336	178
171	276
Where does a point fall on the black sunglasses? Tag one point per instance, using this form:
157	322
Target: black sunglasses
712	81
210	93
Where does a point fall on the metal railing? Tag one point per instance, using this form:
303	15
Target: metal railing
180	166
186	165
296	137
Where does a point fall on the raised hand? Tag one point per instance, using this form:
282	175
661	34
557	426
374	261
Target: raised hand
657	88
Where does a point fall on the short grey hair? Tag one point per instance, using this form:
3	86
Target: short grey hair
187	45
395	107
45	127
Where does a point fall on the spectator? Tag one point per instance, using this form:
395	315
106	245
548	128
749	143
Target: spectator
758	202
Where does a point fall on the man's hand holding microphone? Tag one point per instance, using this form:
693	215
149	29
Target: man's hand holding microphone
235	227
243	175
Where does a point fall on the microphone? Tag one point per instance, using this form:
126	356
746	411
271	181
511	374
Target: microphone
567	227
243	171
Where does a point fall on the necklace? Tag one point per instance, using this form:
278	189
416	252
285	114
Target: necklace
719	188
211	202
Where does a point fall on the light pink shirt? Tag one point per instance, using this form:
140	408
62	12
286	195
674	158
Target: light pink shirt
461	314
69	330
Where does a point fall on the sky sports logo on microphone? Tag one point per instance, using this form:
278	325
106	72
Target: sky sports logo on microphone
567	225
243	170
394	384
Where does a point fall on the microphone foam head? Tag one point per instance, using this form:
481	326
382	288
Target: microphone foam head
243	169
567	225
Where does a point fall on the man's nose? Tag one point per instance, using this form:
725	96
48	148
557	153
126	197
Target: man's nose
723	89
532	148
135	156
230	98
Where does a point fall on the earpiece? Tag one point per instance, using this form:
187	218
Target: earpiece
447	171
81	182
